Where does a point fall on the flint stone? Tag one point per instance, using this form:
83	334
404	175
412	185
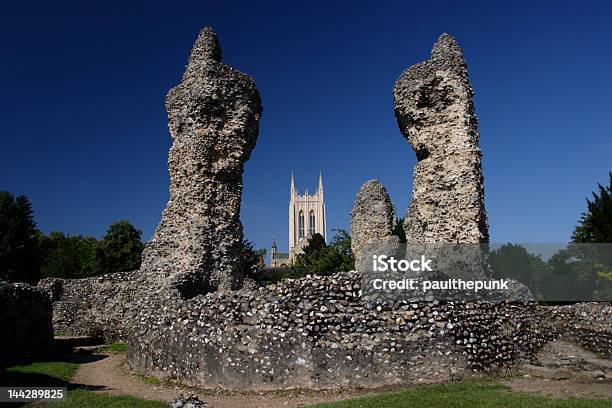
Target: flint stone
213	117
435	113
372	221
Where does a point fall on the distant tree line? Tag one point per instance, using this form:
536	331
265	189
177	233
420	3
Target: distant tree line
578	271
26	254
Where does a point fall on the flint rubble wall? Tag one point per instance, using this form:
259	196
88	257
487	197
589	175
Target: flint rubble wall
25	323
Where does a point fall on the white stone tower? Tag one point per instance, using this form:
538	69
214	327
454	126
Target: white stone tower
306	216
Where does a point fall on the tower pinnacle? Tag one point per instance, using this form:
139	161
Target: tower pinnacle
292	182
320	188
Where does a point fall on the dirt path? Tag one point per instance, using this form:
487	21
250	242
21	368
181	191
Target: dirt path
108	375
564	369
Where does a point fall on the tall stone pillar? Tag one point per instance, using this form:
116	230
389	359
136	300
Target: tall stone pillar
372	222
435	113
213	118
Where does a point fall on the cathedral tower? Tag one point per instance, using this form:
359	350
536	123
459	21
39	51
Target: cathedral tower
306	215
306	218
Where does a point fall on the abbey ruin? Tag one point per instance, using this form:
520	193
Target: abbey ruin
213	117
189	316
435	112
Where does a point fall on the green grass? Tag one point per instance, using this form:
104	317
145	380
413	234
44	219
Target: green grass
59	374
59	370
466	394
84	399
113	348
147	379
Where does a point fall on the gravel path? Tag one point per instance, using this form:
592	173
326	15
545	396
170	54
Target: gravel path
108	375
564	370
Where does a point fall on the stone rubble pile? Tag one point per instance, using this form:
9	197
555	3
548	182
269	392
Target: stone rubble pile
560	360
588	324
189	401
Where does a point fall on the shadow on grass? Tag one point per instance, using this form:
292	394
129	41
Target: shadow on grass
17	379
55	372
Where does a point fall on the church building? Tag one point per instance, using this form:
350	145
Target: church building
306	218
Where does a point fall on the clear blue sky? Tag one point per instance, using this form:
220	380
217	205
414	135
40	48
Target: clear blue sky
84	128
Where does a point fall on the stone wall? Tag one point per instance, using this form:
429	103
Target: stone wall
25	324
213	118
100	306
316	332
587	324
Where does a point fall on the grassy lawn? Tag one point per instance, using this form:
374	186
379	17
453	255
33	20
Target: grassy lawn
465	394
80	398
58	370
113	348
59	374
147	379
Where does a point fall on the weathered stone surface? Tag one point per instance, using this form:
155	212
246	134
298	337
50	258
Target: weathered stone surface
435	112
25	324
99	306
588	324
561	359
372	218
213	118
372	221
188	401
318	332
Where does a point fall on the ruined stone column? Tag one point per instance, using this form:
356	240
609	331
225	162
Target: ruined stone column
372	221
213	118
435	112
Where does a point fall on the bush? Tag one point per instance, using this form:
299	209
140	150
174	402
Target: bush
321	259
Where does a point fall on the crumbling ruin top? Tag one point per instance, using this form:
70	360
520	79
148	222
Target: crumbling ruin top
372	217
446	47
435	113
213	117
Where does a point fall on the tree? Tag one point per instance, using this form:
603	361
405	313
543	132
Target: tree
341	243
316	243
586	265
67	256
321	259
19	247
595	225
119	249
512	261
252	258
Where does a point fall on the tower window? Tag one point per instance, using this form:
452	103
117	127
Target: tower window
301	224
311	223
